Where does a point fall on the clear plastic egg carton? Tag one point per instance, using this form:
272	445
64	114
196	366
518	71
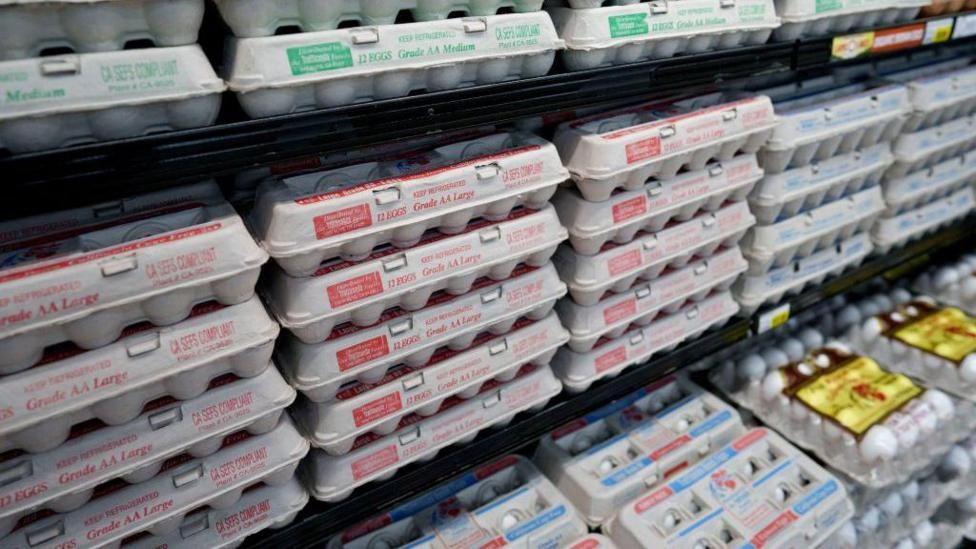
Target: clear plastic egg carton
631	446
617	267
775	246
811	18
358	292
86	286
891	232
922	149
931	535
940	98
419	438
919	188
609	357
277	75
616	35
651	208
667	293
346	212
953	283
259	508
961	512
786	194
65	478
836	121
757	491
366	354
159	505
754	291
625	148
67	100
360	408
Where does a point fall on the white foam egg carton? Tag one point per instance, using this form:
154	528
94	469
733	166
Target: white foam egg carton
306	219
259	508
616	267
366	354
820	125
782	195
667	293
919	188
609	357
651	208
757	491
59	101
754	291
627	147
769	247
952	283
619	34
159	505
298	72
941	97
378	407
925	148
65	478
812	18
358	292
891	232
419	438
634	445
86	286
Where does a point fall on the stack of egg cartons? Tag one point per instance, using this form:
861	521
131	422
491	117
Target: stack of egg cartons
135	375
654	217
813	18
953	284
101	91
328	66
417	295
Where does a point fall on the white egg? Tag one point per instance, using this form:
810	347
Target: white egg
839	347
793	348
884	302
967	504
812	339
910	490
935	362
927	300
900	295
904	428
774	358
871	329
905	543
845	538
870	520
944	277
878	444
924	533
967	369
955	463
868	307
924	416
967	288
751	368
941	403
892	505
848	316
773	385
832	430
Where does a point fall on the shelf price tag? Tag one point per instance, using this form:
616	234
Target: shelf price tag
965	26
939	30
898	38
773	318
851	46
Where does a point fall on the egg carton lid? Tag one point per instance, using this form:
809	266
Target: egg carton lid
893	230
929	93
914	147
948	173
804	10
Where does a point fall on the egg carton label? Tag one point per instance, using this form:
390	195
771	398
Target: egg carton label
948	333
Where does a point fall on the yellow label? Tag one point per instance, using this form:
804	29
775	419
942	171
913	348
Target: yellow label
852	45
948	333
857	394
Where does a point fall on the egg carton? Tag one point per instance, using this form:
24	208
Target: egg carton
940	98
931	535
651	208
609	357
962	512
938	7
953	283
400	337
160	504
754	291
358	292
361	408
615	35
837	121
307	219
880	524
618	266
757	491
922	149
627	147
65	478
277	75
419	438
895	231
810	18
633	445
67	100
786	194
667	293
113	383
775	246
919	188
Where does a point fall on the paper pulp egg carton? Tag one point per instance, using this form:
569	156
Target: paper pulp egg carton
650	208
810	18
277	75
895	231
64	479
633	445
667	293
419	438
609	357
753	291
67	100
159	505
616	267
769	247
940	98
627	147
953	283
360	408
786	194
619	34
358	292
86	286
837	121
922	149
919	188
306	219
757	491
